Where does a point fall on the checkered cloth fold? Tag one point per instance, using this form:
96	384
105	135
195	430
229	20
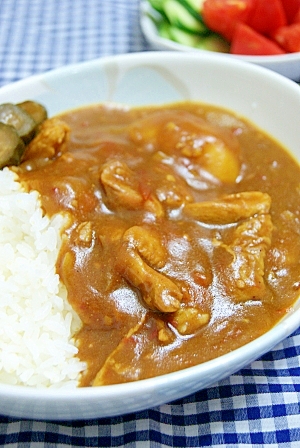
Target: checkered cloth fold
258	405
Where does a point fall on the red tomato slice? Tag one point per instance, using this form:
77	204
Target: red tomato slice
296	18
247	41
288	37
222	16
267	16
291	8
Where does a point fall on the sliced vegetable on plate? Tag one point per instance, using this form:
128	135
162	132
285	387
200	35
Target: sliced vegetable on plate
181	21
243	27
247	41
181	14
288	37
291	7
222	16
266	16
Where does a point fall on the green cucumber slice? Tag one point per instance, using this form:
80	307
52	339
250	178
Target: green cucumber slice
183	37
180	17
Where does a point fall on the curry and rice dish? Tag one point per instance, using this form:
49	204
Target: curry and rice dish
179	233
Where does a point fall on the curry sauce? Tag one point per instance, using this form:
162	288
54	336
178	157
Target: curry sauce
182	239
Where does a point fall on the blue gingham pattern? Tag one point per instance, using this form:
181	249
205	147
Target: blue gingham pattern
258	406
37	35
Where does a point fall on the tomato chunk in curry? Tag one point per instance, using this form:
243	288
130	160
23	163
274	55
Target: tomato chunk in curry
182	240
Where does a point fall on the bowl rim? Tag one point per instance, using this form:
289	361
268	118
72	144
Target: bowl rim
255	348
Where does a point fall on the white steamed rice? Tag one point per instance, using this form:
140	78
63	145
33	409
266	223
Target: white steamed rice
36	321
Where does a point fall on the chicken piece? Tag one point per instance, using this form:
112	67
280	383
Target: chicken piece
243	278
120	367
187	320
147	244
229	209
153	206
141	253
121	185
122	189
138	354
173	191
50	142
84	233
172	197
165	334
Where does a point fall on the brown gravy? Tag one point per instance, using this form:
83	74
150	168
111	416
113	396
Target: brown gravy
183	240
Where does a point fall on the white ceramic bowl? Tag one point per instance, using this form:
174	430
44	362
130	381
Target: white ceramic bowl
268	99
287	65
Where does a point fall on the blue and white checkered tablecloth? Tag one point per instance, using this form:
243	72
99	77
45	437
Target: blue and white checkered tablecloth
258	406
